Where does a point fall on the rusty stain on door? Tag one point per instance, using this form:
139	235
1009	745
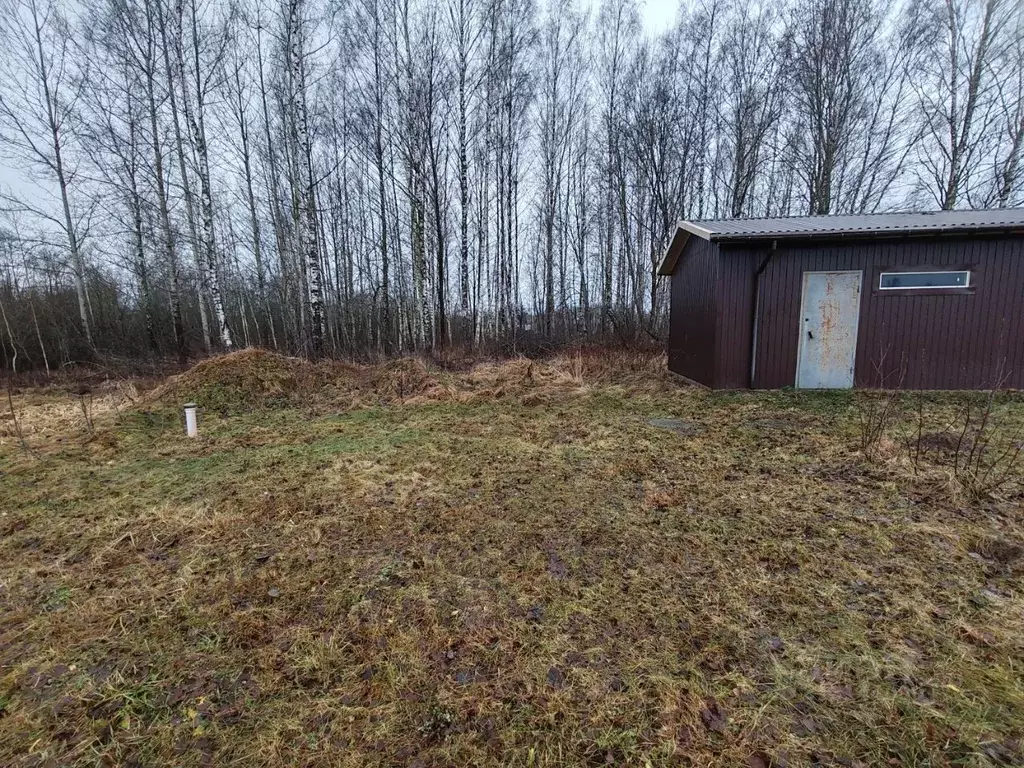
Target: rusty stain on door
830	315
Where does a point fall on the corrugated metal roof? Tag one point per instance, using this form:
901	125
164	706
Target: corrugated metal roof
848	226
867	225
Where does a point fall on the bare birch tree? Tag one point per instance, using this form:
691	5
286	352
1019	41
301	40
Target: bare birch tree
38	101
963	43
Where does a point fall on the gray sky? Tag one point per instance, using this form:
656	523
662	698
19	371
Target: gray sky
658	14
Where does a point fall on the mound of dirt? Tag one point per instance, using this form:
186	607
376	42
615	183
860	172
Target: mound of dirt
248	380
568	373
256	379
615	367
400	379
516	375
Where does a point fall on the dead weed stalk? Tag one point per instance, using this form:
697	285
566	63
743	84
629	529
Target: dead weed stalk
17	426
83	391
876	413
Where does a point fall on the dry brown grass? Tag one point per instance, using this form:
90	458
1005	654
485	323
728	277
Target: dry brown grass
54	415
508	565
255	379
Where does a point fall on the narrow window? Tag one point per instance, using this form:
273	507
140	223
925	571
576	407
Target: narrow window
903	280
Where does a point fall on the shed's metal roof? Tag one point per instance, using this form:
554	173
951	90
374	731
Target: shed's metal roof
865	224
846	226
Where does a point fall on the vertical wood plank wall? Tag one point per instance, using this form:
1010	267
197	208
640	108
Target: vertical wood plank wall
735	294
693	313
919	341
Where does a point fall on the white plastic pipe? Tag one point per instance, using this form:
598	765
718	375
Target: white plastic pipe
191	425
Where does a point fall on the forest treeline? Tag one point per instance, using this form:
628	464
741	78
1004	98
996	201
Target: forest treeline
346	177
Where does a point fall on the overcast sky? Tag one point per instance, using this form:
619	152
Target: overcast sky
658	14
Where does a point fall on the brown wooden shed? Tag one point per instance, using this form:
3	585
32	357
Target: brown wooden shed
901	300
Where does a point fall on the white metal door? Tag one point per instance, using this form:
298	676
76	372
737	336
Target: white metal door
829	316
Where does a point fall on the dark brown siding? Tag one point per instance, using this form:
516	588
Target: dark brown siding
691	336
922	341
735	294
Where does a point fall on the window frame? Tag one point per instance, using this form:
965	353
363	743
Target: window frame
882	274
974	275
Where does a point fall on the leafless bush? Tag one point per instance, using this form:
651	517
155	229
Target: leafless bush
925	436
987	450
979	445
876	414
878	410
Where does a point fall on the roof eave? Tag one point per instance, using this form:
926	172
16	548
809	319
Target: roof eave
674	250
752	237
696	229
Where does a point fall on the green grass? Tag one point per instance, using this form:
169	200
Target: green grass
506	584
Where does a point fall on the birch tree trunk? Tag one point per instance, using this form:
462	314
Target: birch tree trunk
179	144
135	206
163	209
304	180
50	99
254	221
461	20
208	243
378	157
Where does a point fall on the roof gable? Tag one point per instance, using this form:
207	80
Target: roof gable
674	250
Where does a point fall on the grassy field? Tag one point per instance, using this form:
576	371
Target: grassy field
506	566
